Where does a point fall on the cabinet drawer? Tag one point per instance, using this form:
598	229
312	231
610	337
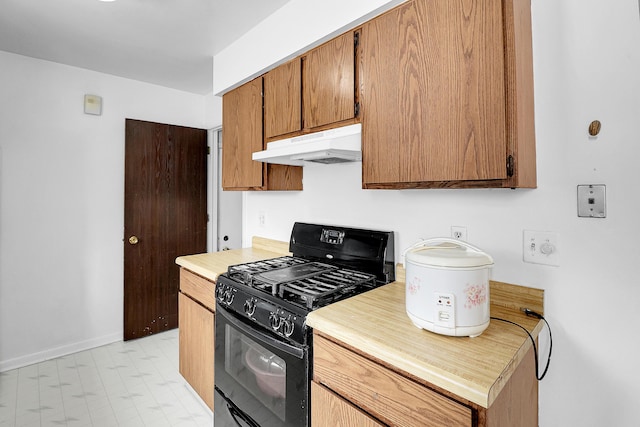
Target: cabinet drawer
330	410
198	288
390	397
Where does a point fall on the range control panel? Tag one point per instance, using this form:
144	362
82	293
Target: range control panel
279	319
333	237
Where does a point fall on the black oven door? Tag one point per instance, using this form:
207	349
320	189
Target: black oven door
260	379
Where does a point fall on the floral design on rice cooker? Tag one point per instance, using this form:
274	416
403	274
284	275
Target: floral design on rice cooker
414	285
476	295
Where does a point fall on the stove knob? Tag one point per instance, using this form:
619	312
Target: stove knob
250	307
220	294
275	321
288	327
228	297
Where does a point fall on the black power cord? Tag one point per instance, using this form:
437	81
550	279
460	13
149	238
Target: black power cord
532	313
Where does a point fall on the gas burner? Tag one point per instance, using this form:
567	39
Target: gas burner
250	273
326	287
248	269
310	284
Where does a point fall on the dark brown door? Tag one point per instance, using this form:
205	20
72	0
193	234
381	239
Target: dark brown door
165	216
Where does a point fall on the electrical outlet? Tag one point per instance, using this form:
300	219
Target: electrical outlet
458	232
540	247
262	218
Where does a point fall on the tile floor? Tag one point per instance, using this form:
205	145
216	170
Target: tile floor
133	383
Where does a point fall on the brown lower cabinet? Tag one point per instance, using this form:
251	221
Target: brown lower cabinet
349	389
329	409
196	319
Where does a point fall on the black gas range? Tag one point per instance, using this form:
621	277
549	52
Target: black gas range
263	345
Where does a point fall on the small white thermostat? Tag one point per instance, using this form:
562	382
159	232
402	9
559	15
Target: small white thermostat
93	104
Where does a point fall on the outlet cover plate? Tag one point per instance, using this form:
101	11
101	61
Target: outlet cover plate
459	232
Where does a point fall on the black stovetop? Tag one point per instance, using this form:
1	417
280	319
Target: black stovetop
329	264
305	283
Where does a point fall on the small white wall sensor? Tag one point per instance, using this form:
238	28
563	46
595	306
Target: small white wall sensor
93	104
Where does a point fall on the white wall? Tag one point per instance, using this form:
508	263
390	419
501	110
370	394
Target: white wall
586	66
293	29
62	202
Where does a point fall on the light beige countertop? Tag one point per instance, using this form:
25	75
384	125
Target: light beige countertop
375	324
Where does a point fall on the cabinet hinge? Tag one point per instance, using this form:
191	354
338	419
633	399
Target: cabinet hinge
208	150
356	109
510	165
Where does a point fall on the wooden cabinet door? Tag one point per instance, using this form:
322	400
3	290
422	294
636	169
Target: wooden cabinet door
433	93
196	347
328	90
380	100
242	136
330	410
282	99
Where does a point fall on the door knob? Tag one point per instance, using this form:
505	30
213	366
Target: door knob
133	240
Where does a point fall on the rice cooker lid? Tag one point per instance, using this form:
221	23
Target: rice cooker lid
448	254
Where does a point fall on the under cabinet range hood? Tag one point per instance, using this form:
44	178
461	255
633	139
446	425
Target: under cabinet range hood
330	146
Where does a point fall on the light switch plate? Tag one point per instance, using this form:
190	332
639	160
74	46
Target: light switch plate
540	247
592	201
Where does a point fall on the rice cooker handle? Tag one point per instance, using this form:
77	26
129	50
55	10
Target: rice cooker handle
438	240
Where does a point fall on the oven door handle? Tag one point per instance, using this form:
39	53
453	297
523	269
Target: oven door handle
259	335
236	412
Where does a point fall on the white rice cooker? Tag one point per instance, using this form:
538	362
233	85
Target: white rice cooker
447	287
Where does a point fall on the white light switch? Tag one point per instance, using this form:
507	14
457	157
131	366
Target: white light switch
540	247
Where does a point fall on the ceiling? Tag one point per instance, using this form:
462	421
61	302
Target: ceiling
170	43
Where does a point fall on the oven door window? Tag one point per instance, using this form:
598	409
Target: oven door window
260	371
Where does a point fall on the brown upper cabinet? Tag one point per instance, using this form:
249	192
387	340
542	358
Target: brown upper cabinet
282	100
310	93
329	82
242	135
313	92
443	89
447	96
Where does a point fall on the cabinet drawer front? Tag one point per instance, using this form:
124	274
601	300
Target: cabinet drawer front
383	393
330	410
198	288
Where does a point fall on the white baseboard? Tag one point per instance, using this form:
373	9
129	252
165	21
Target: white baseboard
197	396
30	359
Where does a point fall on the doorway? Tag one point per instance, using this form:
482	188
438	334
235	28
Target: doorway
165	216
227	233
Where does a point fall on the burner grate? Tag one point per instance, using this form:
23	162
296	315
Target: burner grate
326	287
308	284
245	272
